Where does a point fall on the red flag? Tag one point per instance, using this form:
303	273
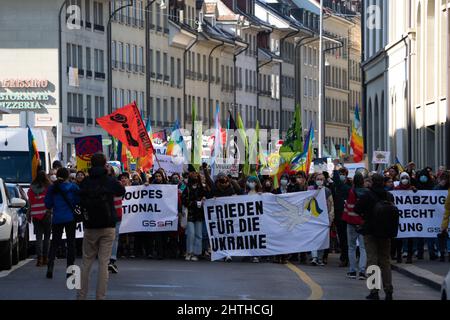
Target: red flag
127	126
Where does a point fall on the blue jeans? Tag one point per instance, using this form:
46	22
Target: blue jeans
194	239
115	243
352	236
317	254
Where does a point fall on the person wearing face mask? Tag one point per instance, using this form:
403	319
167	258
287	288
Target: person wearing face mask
253	187
267	185
443	181
397	244
194	197
317	255
341	191
284	184
425	182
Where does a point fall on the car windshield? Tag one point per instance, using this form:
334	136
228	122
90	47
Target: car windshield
12	191
15	166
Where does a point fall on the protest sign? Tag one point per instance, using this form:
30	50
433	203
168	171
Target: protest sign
150	209
85	147
421	212
228	166
170	165
381	157
267	224
352	167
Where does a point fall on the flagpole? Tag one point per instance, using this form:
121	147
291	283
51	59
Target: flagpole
319	138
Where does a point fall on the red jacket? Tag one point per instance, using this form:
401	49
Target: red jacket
349	215
36	197
118	207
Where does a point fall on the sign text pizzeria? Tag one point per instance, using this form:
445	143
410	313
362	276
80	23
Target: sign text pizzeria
23	99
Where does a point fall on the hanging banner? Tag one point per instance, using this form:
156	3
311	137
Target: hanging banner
267	224
421	213
170	165
228	166
150	208
85	147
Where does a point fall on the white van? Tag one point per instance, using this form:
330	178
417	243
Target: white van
15	165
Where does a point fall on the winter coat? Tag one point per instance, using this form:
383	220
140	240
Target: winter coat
349	214
62	212
341	194
190	197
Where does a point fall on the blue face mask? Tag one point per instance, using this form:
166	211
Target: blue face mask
423	179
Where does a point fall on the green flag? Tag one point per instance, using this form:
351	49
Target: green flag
293	143
243	136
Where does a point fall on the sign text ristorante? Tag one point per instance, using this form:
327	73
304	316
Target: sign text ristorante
24	94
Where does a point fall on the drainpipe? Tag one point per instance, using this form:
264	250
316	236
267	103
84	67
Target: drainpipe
210	107
290	34
147	57
184	75
363	76
235	75
298	66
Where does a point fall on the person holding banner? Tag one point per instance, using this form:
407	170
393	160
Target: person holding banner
317	255
62	197
40	216
159	177
194	197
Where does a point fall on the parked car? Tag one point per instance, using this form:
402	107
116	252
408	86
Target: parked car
16	191
445	289
9	228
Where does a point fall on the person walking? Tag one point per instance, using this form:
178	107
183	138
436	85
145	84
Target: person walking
40	216
376	207
97	194
62	197
354	222
444	229
112	267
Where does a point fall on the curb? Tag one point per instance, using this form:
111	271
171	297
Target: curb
423	276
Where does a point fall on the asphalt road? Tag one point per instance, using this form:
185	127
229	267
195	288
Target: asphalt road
204	280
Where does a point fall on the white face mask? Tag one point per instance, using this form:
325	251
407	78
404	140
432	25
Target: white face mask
251	185
53	178
343	178
405	181
319	183
284	182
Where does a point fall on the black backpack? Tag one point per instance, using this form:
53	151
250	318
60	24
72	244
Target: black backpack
384	220
97	203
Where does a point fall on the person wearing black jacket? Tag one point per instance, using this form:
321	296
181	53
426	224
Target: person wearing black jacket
378	249
97	194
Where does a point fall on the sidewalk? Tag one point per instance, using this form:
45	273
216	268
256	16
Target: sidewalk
430	273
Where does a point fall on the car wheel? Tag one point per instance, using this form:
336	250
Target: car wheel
24	246
6	260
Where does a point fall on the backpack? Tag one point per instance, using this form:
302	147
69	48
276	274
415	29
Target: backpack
384	220
97	203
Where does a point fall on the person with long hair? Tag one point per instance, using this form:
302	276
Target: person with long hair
40	216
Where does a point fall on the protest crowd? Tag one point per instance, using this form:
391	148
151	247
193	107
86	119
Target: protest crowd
361	225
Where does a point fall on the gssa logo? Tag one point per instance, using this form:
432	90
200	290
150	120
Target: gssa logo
154	223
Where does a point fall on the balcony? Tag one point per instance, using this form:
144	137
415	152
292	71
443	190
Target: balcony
75	120
199	76
90	121
151	26
142	69
159	77
89	73
100	75
166	30
159	28
166	78
88	25
152	75
115	64
98	27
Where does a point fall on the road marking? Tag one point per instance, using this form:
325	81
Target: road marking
14	268
316	290
156	286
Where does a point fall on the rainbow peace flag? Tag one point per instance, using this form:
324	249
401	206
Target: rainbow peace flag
356	140
302	161
34	154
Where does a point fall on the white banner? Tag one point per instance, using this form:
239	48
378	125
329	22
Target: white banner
150	209
267	224
170	164
421	213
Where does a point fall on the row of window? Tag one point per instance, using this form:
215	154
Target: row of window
75	59
310	56
336	77
122	97
78	104
355	70
334	142
287	52
355	99
310	88
127	57
336	111
341	52
96	7
131	15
